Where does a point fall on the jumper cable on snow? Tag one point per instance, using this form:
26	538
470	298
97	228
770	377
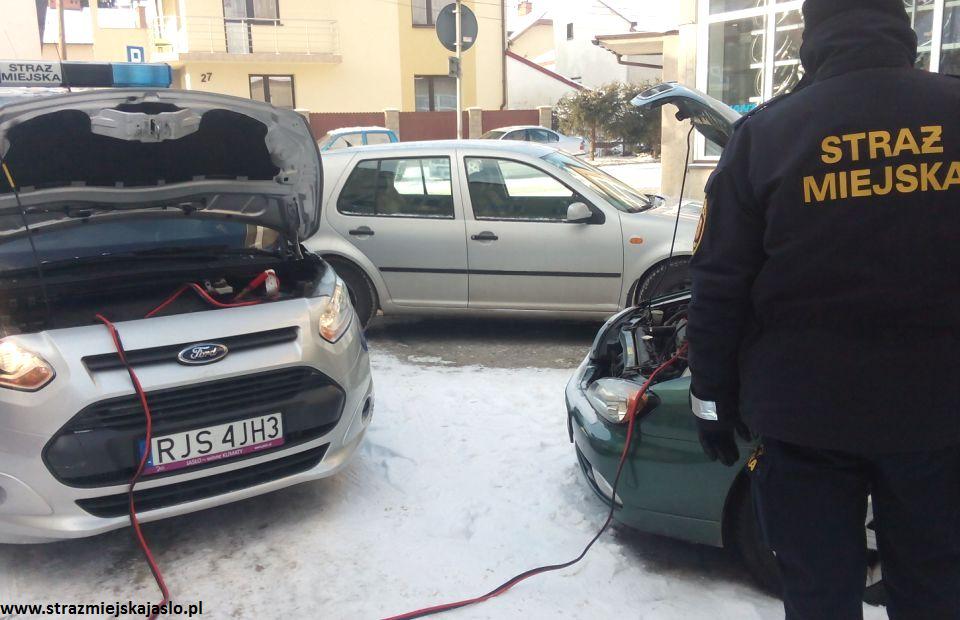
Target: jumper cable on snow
134	521
269	280
635	406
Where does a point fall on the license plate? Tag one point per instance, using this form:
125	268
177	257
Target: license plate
214	443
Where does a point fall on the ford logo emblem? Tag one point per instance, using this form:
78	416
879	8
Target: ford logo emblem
199	354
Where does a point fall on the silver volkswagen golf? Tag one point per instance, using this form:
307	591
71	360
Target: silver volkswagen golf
492	227
178	217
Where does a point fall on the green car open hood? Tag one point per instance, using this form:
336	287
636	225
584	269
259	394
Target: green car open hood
121	152
712	118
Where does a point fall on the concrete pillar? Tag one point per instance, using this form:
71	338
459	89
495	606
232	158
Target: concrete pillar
391	120
546	116
475	117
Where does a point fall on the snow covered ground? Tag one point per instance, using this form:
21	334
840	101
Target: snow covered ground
465	479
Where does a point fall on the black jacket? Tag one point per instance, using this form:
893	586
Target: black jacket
826	286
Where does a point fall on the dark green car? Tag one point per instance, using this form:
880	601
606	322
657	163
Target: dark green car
668	487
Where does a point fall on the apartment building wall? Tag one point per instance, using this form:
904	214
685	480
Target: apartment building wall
372	65
19	32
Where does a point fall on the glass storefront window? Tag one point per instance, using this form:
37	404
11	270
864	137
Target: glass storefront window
741	66
787	39
728	6
950	44
921	16
735	62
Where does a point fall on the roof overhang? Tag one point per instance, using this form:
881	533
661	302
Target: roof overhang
649	43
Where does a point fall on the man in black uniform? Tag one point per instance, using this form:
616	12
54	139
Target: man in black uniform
826	310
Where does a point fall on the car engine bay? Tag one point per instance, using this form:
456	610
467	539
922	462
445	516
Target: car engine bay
75	294
636	342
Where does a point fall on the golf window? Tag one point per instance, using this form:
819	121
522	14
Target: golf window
420	187
502	189
274	89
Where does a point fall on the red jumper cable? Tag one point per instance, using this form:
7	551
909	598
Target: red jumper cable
634	407
271	282
134	521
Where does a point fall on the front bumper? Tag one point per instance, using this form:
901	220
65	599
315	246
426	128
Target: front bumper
35	506
667	486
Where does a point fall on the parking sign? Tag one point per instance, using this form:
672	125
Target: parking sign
135	54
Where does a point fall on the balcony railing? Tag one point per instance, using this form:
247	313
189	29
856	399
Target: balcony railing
224	36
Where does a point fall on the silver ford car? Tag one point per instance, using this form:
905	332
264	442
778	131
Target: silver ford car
189	209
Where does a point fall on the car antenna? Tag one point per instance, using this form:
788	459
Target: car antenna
33	245
676	224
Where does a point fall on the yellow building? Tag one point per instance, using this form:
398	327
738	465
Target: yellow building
316	55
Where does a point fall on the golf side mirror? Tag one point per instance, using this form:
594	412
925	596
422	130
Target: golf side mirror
579	213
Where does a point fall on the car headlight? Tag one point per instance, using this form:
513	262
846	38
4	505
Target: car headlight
336	316
612	398
22	370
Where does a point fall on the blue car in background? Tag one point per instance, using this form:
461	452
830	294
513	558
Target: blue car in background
355	136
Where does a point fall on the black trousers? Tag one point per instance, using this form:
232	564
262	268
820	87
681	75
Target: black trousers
812	507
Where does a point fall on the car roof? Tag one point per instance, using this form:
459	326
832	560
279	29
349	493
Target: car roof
515	127
357	129
532	149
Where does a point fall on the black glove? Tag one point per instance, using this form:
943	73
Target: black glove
718	425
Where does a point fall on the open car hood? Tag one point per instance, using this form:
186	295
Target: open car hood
714	119
108	153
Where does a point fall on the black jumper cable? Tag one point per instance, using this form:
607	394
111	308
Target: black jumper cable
634	408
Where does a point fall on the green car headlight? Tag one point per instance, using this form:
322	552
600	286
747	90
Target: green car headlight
611	398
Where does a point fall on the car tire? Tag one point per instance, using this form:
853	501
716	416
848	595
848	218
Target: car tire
761	563
363	295
748	541
670	276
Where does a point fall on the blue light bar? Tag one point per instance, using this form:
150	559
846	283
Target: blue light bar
140	74
20	73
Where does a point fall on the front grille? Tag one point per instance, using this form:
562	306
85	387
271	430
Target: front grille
202	488
99	446
168	354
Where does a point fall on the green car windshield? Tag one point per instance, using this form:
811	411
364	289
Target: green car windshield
615	191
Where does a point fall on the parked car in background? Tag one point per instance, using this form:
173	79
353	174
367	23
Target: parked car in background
541	135
668	486
203	194
348	137
491	227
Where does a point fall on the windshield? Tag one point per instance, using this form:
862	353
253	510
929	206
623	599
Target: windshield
492	135
615	191
78	241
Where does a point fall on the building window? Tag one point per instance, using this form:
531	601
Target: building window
435	93
749	50
273	89
569	32
251	9
425	12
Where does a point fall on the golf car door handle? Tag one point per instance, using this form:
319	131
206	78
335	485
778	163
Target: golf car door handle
485	236
363	231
